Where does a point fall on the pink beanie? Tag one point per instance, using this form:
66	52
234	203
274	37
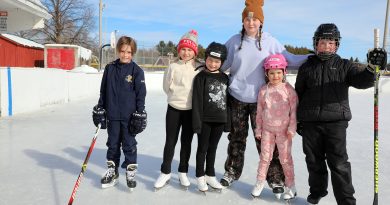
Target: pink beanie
189	40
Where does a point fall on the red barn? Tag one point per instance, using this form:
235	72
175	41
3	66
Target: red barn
19	52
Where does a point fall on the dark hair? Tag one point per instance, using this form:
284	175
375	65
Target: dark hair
125	40
243	34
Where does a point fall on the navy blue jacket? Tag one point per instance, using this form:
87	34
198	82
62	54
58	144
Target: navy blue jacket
123	90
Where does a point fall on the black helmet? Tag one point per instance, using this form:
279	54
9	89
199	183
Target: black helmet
326	31
216	50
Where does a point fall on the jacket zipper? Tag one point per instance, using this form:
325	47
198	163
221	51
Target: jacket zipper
322	90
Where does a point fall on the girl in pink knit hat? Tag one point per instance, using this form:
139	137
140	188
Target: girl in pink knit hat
177	85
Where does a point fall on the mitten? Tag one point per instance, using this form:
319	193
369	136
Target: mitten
99	117
138	122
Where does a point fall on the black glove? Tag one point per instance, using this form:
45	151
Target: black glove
378	57
299	128
138	121
99	116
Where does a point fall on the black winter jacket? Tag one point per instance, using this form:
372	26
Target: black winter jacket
209	100
123	90
322	88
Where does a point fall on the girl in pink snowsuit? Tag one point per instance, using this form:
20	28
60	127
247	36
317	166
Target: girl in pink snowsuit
276	123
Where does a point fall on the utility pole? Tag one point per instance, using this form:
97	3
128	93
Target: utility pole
384	45
385	30
100	22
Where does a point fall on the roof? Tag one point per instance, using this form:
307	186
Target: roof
18	15
83	52
32	6
22	41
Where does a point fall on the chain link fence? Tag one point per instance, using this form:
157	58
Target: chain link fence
147	57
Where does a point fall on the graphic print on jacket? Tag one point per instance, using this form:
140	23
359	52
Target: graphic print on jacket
217	94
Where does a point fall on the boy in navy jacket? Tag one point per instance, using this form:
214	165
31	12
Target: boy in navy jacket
122	103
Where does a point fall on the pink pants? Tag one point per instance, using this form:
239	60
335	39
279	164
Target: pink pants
268	141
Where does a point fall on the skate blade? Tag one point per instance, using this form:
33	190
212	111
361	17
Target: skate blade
278	196
185	188
156	189
255	197
218	190
131	190
113	183
292	198
287	201
203	192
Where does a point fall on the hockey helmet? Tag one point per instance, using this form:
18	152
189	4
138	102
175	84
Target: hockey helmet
326	31
275	61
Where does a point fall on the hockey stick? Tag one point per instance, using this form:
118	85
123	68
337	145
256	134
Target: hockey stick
84	166
376	141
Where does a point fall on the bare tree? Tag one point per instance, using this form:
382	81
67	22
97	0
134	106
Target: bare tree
71	22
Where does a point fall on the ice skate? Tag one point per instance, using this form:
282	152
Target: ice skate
214	184
130	175
278	190
110	178
315	199
259	186
162	180
202	185
185	183
290	193
227	179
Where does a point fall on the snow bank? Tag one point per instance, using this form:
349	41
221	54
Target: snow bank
84	69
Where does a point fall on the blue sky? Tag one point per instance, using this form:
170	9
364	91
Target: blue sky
292	22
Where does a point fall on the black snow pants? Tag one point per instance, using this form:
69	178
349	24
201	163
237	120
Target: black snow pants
324	143
240	113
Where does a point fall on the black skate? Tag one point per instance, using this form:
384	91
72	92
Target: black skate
227	179
130	175
278	190
110	178
315	198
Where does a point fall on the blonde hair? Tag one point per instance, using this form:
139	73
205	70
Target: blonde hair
126	40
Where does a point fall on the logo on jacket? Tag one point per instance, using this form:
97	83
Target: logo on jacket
129	78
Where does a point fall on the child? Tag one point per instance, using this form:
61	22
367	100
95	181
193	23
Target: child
209	113
276	123
246	53
177	84
323	113
122	95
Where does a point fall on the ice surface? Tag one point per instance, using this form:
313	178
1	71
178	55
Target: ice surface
41	154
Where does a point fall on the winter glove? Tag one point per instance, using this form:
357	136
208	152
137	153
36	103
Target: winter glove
138	121
99	116
299	128
377	57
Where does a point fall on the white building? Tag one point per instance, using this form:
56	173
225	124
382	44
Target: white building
18	15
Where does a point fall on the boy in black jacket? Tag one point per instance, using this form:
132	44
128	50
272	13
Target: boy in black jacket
323	112
122	103
210	113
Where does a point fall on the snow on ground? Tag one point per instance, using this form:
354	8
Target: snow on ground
41	154
84	69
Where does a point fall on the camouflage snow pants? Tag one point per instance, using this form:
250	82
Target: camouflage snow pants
240	113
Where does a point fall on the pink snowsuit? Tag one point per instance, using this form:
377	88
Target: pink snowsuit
276	116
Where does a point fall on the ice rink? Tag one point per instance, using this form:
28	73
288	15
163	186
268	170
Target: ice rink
41	154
